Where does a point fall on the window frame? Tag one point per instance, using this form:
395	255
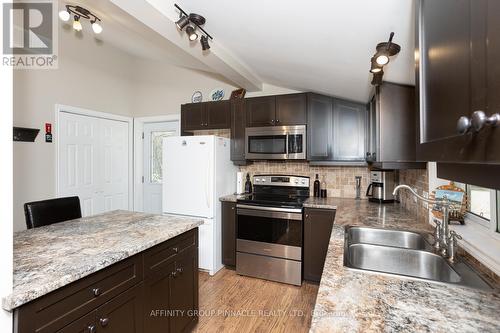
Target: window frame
491	225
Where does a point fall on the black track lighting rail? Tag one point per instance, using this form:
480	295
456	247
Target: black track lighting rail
82	13
183	13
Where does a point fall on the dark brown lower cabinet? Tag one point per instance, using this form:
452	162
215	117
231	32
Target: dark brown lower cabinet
123	314
229	233
153	291
318	225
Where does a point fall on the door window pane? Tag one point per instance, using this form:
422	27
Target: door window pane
479	201
157	155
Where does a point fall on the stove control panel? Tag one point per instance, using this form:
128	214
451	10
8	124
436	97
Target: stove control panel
281	180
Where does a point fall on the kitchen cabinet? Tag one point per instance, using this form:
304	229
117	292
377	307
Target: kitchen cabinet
206	115
458	73
123	314
280	110
260	111
291	109
319	127
120	298
392	128
349	131
238	125
318	225
184	292
336	131
229	233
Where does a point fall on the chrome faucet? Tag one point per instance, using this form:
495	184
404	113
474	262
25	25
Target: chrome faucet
445	242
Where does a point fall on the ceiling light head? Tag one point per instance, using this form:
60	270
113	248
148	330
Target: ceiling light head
204	43
96	27
382	58
377	78
191	33
76	23
182	22
64	15
375	67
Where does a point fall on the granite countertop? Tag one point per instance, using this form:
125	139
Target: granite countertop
354	301
232	197
50	257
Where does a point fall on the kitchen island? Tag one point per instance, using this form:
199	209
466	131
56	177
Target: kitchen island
354	301
69	273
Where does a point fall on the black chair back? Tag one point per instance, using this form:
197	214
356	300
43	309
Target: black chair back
45	212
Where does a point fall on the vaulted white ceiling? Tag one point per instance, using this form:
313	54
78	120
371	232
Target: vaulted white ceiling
314	45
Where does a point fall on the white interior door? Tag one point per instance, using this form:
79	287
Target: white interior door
153	160
93	162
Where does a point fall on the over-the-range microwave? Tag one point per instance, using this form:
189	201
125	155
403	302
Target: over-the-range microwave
276	143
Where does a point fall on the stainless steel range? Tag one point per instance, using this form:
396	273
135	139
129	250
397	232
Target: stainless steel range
269	229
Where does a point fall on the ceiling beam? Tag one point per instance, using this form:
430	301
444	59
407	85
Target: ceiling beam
217	58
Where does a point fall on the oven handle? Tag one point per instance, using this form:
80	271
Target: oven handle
271	209
269	214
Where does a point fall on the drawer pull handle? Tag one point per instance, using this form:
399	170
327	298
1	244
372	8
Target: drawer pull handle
174	274
91	329
180	270
176	249
96	291
104	322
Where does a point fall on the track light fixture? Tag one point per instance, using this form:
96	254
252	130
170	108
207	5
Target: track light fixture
79	13
385	50
192	22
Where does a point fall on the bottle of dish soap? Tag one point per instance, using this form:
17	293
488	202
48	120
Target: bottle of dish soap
248	185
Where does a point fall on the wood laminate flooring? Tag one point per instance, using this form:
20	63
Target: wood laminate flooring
234	303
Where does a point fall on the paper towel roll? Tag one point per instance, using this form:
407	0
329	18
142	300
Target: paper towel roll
240	185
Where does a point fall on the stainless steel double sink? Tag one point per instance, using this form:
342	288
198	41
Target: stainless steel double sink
406	254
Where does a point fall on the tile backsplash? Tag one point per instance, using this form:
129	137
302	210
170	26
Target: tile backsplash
417	179
340	181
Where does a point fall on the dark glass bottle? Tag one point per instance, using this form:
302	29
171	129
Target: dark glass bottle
316	186
248	184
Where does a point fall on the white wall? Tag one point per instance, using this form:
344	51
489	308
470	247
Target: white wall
5	191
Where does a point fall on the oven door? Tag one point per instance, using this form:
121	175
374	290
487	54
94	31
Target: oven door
269	231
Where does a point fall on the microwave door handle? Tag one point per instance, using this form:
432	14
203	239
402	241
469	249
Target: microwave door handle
286	147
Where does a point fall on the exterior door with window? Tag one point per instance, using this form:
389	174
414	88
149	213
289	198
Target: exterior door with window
153	150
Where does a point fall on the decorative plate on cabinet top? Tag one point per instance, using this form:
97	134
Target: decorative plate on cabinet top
197	97
217	94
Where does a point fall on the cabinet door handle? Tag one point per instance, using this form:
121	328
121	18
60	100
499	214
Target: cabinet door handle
272	121
91	329
175	249
277	121
174	274
180	270
96	291
477	122
104	322
307	216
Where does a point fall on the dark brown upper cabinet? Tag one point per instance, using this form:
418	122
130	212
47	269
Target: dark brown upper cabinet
291	109
206	115
319	127
278	110
260	111
349	131
238	125
392	128
336	131
458	73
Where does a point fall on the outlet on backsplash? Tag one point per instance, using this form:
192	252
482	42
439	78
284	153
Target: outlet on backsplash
425	194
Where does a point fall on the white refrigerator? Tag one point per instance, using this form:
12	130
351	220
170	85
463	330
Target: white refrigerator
197	170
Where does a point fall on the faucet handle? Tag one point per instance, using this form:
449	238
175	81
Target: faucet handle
454	236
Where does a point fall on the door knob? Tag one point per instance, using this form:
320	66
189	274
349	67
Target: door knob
104	322
477	122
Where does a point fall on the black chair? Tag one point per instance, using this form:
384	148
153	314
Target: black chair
45	212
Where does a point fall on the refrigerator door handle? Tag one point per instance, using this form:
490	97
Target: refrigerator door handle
207	181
